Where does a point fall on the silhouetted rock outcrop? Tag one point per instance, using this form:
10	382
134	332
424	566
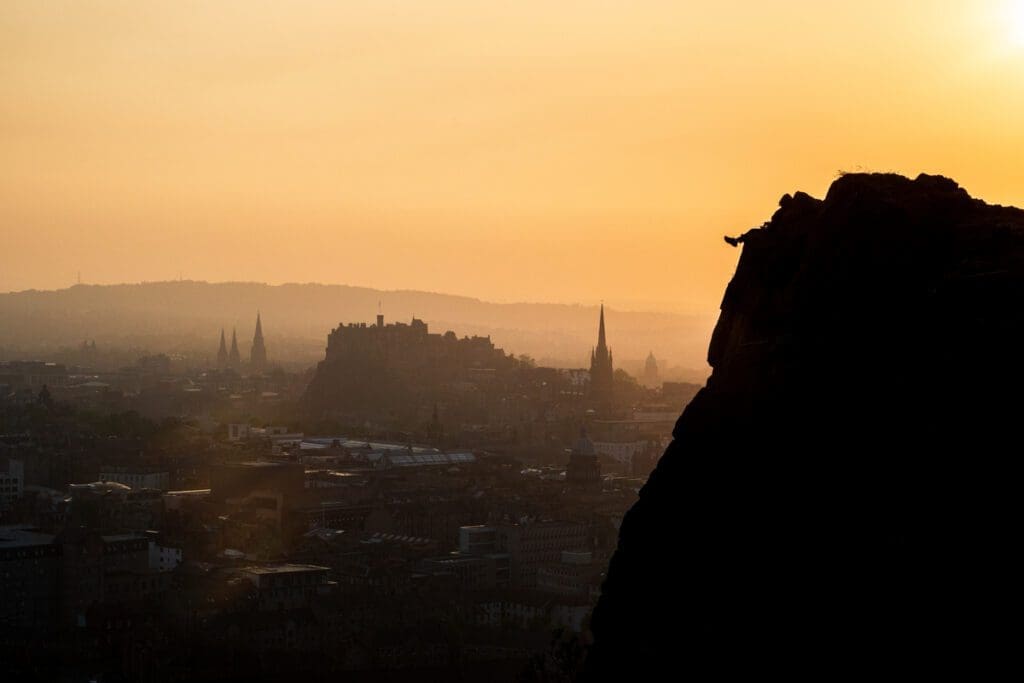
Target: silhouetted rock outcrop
842	494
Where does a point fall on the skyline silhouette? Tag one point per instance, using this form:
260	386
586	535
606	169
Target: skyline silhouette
399	341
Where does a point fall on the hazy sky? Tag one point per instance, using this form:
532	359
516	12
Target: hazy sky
558	151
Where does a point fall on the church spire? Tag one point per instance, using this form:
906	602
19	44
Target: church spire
234	358
222	352
258	354
601	369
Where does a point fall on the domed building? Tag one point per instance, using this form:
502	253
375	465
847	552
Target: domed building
651	378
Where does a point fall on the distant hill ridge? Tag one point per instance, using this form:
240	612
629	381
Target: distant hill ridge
188	315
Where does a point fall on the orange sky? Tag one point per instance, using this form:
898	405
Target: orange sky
556	151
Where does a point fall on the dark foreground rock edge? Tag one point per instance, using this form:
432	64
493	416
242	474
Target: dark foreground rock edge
841	498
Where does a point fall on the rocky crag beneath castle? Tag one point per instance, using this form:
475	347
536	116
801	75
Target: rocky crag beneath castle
841	496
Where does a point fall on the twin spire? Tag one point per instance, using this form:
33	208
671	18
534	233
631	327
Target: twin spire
222	352
233	358
258	354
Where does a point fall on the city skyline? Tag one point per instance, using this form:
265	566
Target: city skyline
534	342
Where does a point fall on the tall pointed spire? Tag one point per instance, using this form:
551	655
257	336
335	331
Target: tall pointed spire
222	352
234	358
601	371
258	354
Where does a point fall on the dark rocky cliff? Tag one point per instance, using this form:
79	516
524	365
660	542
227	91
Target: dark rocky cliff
841	496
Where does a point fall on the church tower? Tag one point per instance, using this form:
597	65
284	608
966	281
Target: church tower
258	354
234	358
222	352
601	372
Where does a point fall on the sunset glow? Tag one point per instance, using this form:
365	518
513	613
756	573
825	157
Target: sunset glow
605	148
535	341
1014	15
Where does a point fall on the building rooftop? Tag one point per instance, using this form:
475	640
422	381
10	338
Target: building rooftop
418	460
23	537
319	442
396	454
255	464
114	538
100	487
379	537
284	569
132	469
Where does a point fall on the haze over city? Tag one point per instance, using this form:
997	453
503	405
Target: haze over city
533	342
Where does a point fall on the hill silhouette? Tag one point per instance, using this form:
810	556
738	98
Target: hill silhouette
187	316
840	497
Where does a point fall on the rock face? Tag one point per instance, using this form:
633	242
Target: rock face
842	495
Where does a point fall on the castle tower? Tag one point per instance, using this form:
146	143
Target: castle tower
601	372
258	354
234	358
222	352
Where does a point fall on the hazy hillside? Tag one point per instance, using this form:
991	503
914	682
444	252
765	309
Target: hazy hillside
187	317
